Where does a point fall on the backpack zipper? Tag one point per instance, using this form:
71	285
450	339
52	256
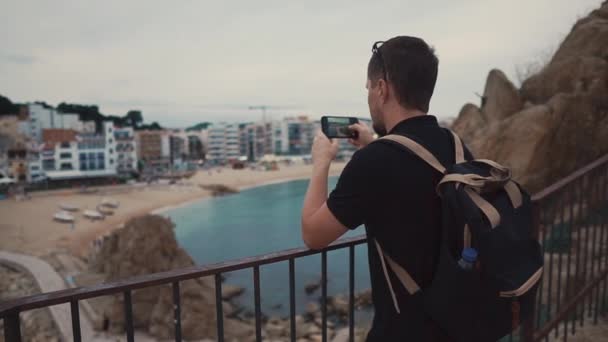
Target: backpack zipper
524	287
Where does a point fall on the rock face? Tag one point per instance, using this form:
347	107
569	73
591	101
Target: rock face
147	245
36	325
558	120
219	189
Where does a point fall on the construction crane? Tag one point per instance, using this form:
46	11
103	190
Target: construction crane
265	108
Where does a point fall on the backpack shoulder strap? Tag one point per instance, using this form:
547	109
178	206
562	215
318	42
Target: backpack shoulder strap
417	149
458	147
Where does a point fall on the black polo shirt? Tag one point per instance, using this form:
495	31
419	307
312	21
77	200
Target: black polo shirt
392	192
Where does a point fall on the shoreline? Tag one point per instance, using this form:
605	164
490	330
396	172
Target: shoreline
28	226
164	209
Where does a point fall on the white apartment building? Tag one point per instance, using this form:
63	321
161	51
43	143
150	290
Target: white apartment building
224	143
40	117
69	155
45	117
126	150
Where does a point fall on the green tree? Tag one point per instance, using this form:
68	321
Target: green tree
7	107
198	126
134	118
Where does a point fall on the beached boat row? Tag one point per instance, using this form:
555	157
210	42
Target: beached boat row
105	208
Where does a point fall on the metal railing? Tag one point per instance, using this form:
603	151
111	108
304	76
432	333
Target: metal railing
570	216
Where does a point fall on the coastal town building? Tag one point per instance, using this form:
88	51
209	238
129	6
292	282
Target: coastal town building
153	151
126	153
39	116
224	143
23	163
67	154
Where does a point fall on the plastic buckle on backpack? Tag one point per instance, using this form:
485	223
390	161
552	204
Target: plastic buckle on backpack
515	313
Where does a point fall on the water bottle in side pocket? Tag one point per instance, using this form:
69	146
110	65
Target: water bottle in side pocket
468	259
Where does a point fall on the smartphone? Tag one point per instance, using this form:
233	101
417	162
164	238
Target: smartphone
337	126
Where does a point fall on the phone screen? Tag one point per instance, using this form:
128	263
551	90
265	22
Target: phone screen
338	127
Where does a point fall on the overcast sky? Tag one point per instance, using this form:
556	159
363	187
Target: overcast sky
183	62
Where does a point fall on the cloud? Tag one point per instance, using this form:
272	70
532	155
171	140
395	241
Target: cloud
193	60
15	58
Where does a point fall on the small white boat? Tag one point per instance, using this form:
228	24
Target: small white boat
68	207
93	215
110	203
105	210
63	216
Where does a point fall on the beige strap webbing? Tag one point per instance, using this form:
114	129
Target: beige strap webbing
459	148
471	179
467	236
417	149
404	277
495	165
514	194
388	280
485	206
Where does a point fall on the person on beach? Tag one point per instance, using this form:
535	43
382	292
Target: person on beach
389	191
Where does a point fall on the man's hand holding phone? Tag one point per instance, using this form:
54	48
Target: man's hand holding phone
364	135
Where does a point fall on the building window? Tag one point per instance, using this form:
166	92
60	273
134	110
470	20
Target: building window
65	155
83	156
48	164
111	161
34	167
66	166
111	151
83	166
65	144
110	140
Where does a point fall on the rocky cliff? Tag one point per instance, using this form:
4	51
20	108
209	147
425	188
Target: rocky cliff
147	245
558	120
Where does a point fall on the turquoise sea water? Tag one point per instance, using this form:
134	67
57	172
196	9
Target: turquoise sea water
262	220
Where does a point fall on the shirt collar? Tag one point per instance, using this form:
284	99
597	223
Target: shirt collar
412	123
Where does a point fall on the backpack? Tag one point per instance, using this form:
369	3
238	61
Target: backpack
484	209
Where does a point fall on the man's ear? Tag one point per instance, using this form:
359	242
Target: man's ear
383	89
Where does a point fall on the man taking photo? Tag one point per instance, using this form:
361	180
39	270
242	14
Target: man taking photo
390	191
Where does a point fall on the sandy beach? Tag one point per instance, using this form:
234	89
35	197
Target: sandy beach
28	226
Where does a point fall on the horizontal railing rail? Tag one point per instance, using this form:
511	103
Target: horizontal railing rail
563	204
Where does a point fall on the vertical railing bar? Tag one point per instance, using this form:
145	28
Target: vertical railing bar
292	299
551	235
605	196
577	185
605	256
559	256
543	230
128	316
351	294
177	308
570	201
528	326
601	247
219	307
258	309
12	328
324	296
584	221
593	208
75	313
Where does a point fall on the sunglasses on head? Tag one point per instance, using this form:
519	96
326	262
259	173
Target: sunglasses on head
376	51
